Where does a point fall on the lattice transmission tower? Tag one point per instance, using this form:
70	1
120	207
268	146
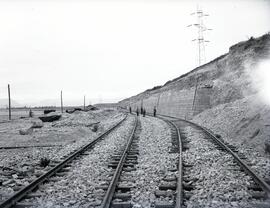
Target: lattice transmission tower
201	28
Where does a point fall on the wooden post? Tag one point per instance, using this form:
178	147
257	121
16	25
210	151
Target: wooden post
84	103
195	93
61	102
158	101
9	104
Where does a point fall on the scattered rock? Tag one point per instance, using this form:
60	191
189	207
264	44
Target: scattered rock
26	131
7	182
37	124
44	162
15	176
91	107
94	128
218	136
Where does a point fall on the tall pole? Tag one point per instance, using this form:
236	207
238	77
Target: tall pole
61	102
158	101
84	103
200	38
9	103
195	93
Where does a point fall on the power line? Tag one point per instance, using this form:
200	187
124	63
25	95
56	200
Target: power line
200	36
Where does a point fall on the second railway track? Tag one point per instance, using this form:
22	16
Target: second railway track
123	161
123	187
57	169
250	189
197	169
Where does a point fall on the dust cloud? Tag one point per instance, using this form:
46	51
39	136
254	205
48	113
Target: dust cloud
260	77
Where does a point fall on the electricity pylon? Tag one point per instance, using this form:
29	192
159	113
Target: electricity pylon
200	38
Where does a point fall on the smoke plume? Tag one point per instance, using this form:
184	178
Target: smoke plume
260	77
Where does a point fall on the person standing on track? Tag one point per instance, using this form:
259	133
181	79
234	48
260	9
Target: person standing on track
155	111
137	111
130	110
144	112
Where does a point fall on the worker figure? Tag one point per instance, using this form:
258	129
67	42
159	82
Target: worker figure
141	110
30	113
155	111
137	111
144	112
130	111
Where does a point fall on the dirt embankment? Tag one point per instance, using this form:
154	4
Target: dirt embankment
227	101
242	122
226	75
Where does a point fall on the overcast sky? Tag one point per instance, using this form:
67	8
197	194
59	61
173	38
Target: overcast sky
109	50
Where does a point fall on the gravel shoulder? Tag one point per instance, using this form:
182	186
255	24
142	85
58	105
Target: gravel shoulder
216	179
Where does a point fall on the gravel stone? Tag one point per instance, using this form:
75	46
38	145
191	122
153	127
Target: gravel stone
24	162
217	182
79	188
153	162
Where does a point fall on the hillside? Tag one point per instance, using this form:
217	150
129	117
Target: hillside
227	100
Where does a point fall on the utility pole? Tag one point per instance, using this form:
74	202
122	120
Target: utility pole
84	103
158	100
9	103
200	36
195	93
61	102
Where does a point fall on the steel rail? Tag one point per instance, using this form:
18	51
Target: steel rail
27	189
111	189
239	161
25	147
179	188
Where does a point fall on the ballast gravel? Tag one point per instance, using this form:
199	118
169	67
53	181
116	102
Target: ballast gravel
154	161
216	179
80	186
18	167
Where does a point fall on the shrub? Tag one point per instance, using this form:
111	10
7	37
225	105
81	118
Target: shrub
44	162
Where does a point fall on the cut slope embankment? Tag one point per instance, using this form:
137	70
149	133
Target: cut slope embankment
226	100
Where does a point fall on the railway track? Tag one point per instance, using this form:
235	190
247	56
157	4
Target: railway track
173	185
119	192
174	190
56	169
123	161
258	188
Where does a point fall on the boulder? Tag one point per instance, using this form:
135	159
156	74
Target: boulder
73	110
26	131
50	118
48	111
91	108
37	124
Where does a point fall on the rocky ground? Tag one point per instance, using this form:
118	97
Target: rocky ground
153	162
79	188
20	166
245	124
217	181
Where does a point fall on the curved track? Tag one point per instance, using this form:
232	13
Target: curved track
179	186
230	150
21	194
